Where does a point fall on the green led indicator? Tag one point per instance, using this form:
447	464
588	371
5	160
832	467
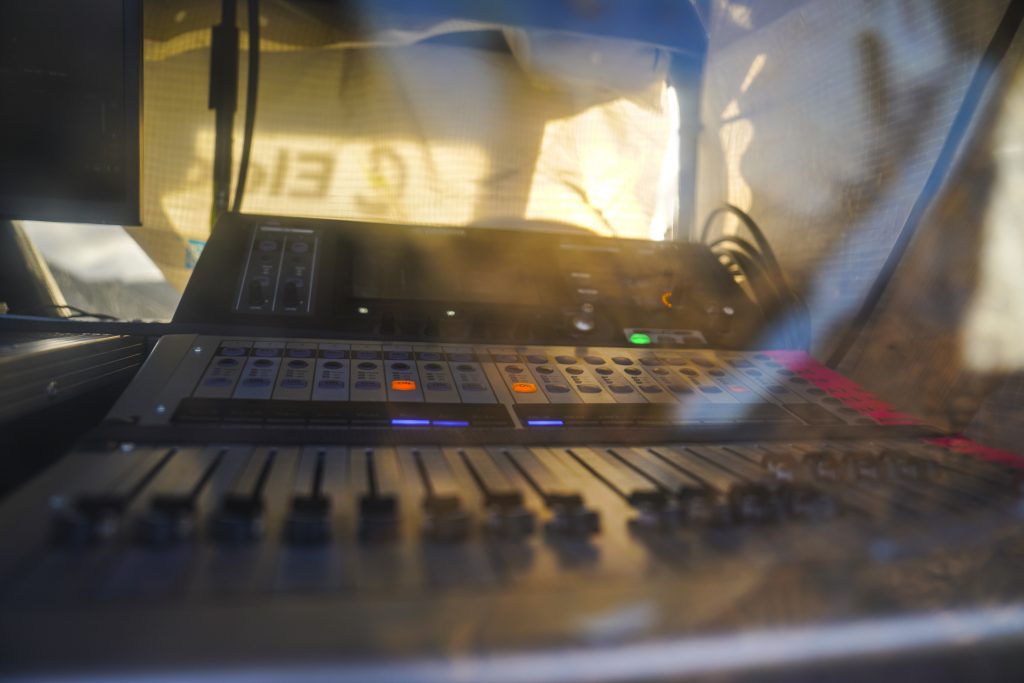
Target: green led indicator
639	338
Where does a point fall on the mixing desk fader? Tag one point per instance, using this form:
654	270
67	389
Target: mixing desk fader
381	474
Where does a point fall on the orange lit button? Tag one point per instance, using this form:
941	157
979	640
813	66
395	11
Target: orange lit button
524	388
403	385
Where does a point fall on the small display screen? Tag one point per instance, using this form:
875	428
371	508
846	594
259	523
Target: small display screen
445	267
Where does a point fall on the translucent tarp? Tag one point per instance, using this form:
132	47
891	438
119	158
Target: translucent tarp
558	131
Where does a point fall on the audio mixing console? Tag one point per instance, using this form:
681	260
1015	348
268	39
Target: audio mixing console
356	463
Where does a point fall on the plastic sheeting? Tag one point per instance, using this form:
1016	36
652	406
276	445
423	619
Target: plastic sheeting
823	119
560	132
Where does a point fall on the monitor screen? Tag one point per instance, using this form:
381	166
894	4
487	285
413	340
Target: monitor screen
70	105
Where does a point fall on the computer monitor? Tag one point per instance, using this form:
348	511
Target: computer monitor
70	110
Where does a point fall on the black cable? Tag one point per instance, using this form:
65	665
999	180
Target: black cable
76	312
223	99
759	238
996	51
251	90
769	299
762	258
765	294
740	244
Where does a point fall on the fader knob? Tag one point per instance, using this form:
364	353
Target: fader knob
308	522
805	502
571	518
169	520
378	518
507	517
445	520
753	503
91	519
240	520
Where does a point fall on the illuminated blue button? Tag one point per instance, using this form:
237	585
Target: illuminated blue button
438	386
429	355
556	389
589	389
333	353
537	358
474	386
367	384
620	389
545	423
621	360
218	381
566	360
410	422
293	383
594	360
